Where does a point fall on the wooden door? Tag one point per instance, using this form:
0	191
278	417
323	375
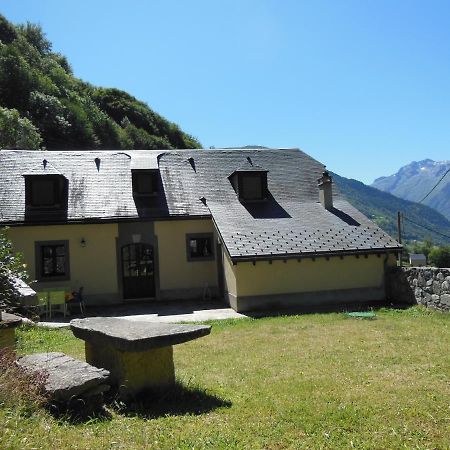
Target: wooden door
138	272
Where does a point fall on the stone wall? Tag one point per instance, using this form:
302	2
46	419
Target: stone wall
428	286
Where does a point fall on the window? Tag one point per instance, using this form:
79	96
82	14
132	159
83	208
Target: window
52	260
145	182
252	187
45	191
199	247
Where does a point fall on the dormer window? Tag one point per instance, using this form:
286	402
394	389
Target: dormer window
145	183
45	191
250	182
252	186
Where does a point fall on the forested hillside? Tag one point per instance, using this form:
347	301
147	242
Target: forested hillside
43	105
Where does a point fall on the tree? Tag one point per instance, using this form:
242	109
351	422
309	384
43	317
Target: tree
7	31
440	256
11	267
17	132
36	37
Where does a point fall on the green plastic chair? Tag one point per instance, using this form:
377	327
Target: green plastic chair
57	298
42	298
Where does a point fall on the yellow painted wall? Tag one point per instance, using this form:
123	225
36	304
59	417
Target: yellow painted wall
229	275
94	266
392	260
308	276
175	271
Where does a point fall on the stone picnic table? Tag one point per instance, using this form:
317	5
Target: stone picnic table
8	322
138	355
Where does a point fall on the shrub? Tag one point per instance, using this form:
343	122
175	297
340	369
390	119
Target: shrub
10	266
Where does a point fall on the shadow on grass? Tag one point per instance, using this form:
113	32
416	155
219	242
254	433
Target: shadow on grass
328	308
78	411
177	400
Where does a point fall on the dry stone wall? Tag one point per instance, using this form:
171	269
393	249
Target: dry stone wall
428	286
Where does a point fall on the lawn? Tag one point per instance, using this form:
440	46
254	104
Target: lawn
309	381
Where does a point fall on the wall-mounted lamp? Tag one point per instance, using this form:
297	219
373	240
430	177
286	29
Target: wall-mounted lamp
83	242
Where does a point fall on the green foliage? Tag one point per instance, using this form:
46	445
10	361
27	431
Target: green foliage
7	31
69	113
50	116
36	37
440	256
16	79
17	132
420	247
11	266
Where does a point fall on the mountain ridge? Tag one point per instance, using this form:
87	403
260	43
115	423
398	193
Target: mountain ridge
418	182
382	208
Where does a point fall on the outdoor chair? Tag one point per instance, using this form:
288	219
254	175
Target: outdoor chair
77	297
42	298
58	298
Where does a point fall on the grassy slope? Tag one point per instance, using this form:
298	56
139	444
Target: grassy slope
313	381
382	208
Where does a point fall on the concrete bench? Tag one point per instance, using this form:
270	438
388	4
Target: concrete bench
139	355
68	381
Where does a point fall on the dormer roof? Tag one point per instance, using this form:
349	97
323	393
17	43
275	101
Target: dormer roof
43	168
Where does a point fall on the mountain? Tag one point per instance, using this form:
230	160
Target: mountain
414	181
42	104
382	208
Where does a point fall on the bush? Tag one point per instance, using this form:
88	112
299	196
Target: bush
11	267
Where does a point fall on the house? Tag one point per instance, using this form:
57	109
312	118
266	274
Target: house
417	259
261	228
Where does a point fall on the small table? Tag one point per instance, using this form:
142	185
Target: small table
139	355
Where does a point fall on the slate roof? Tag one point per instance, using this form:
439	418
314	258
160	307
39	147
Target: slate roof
291	223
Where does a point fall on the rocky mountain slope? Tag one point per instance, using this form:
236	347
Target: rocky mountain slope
414	181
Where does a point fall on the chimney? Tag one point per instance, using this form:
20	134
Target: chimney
325	190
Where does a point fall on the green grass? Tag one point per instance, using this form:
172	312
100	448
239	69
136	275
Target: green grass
311	381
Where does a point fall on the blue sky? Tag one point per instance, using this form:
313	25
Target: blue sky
363	86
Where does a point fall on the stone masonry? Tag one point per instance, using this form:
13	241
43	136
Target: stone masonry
428	286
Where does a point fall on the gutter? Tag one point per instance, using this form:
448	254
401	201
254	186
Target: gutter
313	255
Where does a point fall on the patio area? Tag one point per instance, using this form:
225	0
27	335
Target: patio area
167	312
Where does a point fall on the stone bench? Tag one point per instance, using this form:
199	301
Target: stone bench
68	381
139	355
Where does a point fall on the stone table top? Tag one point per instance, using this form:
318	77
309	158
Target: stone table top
136	336
9	320
66	377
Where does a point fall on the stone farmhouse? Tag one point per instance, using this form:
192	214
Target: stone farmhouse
260	228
